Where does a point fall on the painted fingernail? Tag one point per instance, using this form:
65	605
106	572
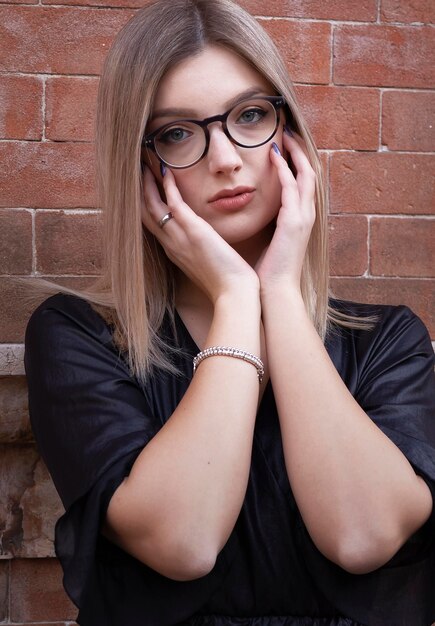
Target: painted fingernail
162	169
289	131
275	147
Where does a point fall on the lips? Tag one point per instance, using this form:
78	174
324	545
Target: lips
231	193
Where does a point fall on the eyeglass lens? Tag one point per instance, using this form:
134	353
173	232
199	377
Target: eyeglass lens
249	124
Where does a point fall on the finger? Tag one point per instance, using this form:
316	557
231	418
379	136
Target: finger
154	204
305	176
174	198
305	179
290	190
154	208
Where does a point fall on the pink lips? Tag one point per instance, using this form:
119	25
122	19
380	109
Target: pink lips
232	199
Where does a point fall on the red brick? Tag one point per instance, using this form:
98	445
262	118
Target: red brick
355	10
388	56
37	593
15	242
68	243
382	183
408	11
408	120
47	175
342	117
70	108
419	295
18	2
20	107
305	47
348	238
17	303
4	590
391	253
135	4
63	40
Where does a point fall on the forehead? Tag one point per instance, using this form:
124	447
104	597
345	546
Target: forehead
209	79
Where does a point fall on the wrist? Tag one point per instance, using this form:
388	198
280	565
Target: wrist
239	297
281	290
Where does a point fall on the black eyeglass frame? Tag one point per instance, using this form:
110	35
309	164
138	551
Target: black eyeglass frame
149	140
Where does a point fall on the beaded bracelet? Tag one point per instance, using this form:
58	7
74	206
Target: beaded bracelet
234	352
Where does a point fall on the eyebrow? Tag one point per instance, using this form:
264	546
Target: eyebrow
186	113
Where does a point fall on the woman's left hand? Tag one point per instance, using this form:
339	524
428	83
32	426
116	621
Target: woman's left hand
281	262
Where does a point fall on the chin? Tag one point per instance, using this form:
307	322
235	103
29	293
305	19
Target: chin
238	234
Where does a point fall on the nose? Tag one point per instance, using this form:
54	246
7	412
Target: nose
223	156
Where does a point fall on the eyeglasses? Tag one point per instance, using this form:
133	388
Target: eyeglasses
249	124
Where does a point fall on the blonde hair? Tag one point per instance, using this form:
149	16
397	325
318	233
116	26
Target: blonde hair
136	287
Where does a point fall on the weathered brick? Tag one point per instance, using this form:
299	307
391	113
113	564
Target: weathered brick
388	56
47	175
68	243
63	40
41	508
355	10
342	117
46	624
37	592
20	107
29	505
348	236
4	590
14	416
391	253
419	295
11	359
382	183
408	11
17	464
408	120
15	242
305	46
70	108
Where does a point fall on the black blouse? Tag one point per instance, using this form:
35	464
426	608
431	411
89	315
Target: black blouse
91	419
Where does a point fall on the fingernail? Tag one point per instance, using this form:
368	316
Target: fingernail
275	147
289	131
162	168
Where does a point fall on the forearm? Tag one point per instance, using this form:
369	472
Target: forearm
358	495
186	488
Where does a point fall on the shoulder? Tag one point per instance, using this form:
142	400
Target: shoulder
61	313
382	321
393	338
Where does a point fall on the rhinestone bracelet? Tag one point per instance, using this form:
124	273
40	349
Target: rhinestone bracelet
234	352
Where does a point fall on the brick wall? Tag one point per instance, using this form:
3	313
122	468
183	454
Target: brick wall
365	73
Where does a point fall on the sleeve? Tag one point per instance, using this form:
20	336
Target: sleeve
396	387
90	419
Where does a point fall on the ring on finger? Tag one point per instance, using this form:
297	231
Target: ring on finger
165	219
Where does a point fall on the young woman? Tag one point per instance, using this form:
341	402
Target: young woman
289	479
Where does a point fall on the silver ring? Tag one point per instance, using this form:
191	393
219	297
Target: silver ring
165	219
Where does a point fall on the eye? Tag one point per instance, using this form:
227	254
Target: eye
252	115
176	134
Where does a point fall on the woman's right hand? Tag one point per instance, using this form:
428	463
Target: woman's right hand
192	244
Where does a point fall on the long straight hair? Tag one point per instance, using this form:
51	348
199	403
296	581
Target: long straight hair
136	287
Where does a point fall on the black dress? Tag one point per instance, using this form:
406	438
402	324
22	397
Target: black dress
91	419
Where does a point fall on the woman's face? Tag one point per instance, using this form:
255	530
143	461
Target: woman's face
203	86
